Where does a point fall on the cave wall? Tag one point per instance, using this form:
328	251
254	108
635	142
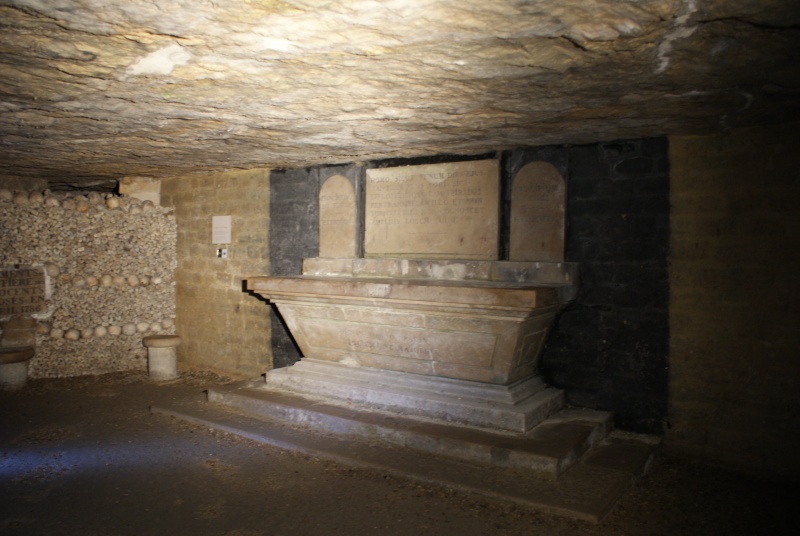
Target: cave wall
734	309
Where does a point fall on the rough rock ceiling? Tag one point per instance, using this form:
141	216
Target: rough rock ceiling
93	89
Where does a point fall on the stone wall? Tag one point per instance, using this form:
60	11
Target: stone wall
734	308
222	327
109	264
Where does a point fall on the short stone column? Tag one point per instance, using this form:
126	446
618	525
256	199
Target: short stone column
14	366
162	359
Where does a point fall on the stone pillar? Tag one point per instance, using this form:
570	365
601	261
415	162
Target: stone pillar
17	347
14	366
18	331
162	362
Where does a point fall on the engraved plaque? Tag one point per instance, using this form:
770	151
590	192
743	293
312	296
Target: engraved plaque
459	347
22	291
433	211
337	218
538	197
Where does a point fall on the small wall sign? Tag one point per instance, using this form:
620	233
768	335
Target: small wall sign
22	291
220	229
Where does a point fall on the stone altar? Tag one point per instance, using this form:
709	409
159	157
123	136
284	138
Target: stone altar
454	337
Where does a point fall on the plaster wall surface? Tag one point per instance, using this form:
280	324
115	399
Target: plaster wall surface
734	310
221	326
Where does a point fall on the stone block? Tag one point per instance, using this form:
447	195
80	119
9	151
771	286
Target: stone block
319	266
515	408
142	188
456	270
337	218
14	366
210	295
538	202
416	328
433	211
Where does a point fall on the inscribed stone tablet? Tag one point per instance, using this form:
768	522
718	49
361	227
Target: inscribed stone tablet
22	291
337	218
538	197
433	211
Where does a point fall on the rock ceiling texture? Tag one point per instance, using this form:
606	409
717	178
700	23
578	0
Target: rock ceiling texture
109	88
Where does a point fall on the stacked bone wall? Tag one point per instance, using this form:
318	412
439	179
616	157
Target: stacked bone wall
110	264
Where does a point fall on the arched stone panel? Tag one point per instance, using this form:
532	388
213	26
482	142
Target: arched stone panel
538	200
337	218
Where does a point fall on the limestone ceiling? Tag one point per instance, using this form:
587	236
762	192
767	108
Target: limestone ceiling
98	89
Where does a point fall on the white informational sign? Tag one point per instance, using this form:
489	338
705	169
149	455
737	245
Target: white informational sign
220	229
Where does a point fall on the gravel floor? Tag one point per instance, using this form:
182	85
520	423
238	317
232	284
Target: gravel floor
85	456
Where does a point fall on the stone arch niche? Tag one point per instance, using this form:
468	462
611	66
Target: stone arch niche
337	218
538	199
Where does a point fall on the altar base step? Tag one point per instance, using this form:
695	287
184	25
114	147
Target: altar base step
514	408
549	448
571	464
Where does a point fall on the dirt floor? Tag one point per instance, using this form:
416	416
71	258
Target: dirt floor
85	456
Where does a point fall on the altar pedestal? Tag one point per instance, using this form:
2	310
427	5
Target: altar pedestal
447	340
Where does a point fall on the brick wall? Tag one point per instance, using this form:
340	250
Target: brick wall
609	348
734	308
293	235
222	327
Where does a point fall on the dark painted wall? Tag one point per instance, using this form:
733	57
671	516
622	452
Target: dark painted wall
293	235
609	349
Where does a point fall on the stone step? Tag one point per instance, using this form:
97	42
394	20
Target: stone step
549	448
424	385
516	408
587	491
